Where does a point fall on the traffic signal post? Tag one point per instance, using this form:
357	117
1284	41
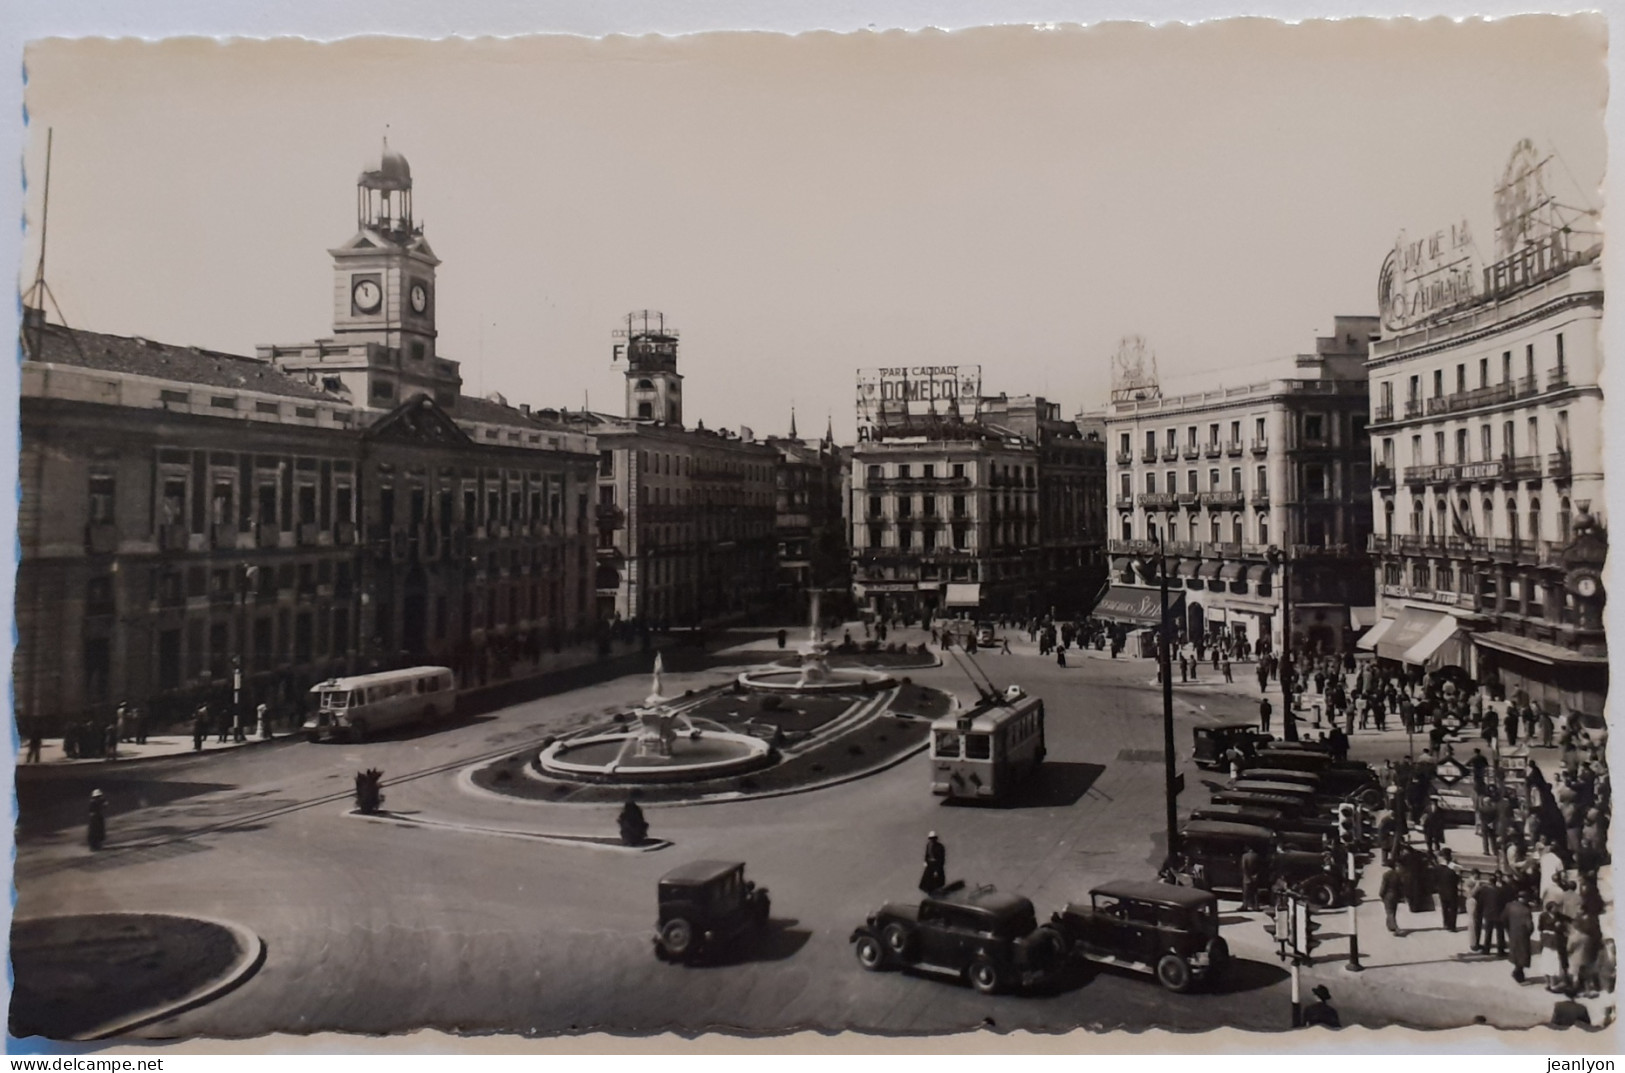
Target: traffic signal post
1294	928
1349	823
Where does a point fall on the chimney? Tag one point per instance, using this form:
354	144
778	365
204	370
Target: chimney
524	408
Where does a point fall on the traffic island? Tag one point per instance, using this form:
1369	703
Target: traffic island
104	974
815	741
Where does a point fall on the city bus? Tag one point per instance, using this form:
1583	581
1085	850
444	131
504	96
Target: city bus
988	751
355	707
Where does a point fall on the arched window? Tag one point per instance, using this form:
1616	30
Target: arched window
1128	527
1488	529
1416	517
646	385
1565	520
1214	525
1235	529
1512	518
1388	517
1263	528
1534	518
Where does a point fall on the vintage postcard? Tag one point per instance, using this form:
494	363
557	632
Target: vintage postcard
1028	529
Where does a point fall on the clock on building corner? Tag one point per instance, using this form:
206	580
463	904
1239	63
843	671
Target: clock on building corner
1585	583
419	298
366	294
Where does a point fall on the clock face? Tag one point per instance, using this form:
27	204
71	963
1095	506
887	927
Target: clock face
1586	586
420	298
367	296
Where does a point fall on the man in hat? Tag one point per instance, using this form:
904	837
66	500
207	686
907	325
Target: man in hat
1321	1011
935	876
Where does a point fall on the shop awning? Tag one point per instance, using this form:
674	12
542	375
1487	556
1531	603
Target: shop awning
1138	604
1258	572
1230	571
1410	626
1209	568
1185	568
1362	617
1120	563
1531	649
1438	646
1368	640
963	594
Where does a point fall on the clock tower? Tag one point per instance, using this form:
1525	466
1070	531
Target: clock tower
384	277
383	348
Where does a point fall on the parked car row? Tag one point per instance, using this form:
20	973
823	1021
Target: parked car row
1281	807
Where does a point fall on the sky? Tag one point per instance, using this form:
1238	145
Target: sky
803	206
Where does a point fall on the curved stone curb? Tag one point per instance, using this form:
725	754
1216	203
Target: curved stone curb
250	957
603	842
466	783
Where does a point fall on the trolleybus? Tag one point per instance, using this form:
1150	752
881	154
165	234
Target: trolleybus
353	708
987	751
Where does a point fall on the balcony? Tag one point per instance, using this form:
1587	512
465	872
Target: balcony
1319	551
1170	454
1557	379
1192	451
610	516
1520	468
1222	500
1189	500
1261	498
1419	475
1233	448
931	484
1131	547
344	533
1260	447
267	535
307	533
1382	543
1382	475
1149	454
1559	465
1157	500
1125	458
1214	449
1384	411
1124	502
1489	395
223	535
101	538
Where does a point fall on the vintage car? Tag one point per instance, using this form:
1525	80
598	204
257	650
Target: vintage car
1169	931
704	904
1278	756
1211	743
1290	805
1348	780
989	937
1295	832
1210	857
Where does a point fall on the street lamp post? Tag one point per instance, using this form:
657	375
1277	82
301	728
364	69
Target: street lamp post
1289	723
1170	789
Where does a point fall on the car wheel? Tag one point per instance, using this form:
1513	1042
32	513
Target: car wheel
1046	951
1174	974
898	939
677	937
1218	959
871	955
763	909
983	975
1320	894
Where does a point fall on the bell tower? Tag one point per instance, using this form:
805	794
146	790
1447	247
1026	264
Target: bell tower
384	277
654	388
383	348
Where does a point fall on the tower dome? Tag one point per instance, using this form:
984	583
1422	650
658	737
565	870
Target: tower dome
392	172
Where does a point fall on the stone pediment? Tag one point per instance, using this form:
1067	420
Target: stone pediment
418	420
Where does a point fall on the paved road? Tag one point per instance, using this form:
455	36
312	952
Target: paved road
374	927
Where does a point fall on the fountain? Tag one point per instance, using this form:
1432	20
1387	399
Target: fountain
663	744
814	675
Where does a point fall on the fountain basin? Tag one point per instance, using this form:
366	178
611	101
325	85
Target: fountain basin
703	754
831	680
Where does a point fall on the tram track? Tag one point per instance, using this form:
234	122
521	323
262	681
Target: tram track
112	850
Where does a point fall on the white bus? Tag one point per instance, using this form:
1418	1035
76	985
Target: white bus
354	707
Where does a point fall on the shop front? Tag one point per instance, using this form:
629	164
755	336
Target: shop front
1555	679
